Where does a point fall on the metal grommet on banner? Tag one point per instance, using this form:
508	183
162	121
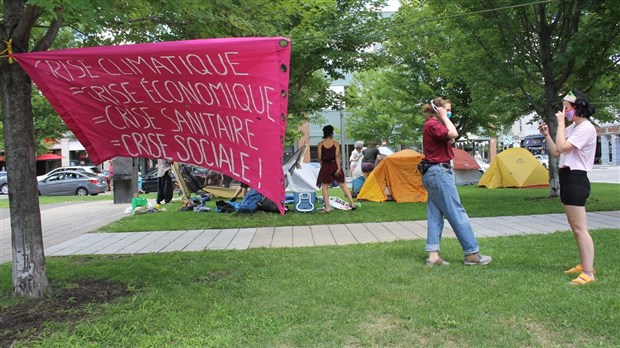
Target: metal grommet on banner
281	139
283	43
283	93
283	68
283	116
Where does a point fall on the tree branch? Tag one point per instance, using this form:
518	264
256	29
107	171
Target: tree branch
21	32
50	35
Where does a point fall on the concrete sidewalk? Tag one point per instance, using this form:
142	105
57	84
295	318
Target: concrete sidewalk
66	227
63	222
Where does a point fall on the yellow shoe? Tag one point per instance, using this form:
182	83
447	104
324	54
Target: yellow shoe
583	279
575	270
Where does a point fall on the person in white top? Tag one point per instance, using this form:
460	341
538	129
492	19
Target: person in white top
356	155
478	156
576	146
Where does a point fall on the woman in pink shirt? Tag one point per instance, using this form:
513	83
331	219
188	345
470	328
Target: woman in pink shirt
576	146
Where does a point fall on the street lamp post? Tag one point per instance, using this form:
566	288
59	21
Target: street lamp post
343	140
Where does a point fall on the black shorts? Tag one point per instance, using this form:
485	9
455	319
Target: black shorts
244	185
574	187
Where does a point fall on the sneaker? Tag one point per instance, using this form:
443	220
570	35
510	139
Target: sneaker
477	260
438	262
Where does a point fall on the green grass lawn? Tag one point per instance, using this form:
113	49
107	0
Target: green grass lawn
479	202
354	296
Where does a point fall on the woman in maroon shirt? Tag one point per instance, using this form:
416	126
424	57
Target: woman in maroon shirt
438	179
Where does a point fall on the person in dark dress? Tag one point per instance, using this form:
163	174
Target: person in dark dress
329	157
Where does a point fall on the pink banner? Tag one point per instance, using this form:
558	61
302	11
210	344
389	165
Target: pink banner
217	103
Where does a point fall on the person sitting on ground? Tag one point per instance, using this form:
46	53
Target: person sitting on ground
214	178
227	180
371	158
329	157
241	190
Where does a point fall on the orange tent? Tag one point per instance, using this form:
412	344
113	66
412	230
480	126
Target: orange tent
398	176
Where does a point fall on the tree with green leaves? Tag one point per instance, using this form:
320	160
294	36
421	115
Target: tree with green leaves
498	60
379	108
426	65
328	39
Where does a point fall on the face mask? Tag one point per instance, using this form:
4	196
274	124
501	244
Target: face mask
449	114
570	114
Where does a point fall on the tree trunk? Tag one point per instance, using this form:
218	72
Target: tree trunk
554	179
29	274
554	162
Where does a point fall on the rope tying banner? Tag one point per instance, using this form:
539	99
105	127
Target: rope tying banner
8	51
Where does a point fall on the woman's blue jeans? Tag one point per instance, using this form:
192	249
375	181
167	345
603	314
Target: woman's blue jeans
444	200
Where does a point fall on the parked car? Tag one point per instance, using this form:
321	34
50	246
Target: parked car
196	178
87	169
149	180
4	186
70	182
543	159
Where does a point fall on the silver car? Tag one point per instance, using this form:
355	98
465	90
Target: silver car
67	183
87	169
4	186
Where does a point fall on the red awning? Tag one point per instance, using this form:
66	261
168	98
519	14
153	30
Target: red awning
48	157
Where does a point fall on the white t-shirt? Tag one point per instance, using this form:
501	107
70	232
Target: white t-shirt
355	156
583	138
